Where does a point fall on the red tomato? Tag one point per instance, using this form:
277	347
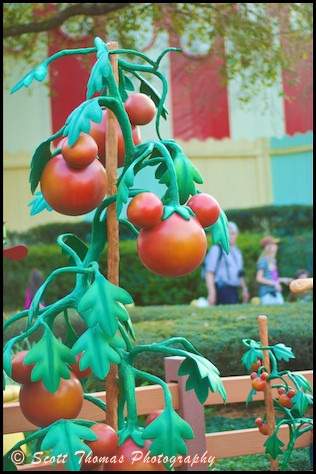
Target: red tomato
205	207
291	393
21	372
152	416
263	429
41	407
107	442
133	458
258	384
140	108
285	400
281	390
264	375
98	132
255	366
145	210
82	153
81	374
174	247
258	421
70	191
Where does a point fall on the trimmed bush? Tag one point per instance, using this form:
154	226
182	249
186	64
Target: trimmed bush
146	288
216	332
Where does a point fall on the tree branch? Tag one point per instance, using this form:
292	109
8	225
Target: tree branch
87	9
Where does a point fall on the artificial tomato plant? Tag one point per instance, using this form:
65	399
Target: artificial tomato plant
292	399
171	241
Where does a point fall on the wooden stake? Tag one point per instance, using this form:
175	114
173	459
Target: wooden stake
268	398
113	237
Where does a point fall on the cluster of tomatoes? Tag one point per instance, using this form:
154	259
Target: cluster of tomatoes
172	247
259	384
41	407
74	182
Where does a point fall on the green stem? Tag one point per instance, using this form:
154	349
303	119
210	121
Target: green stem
127	373
156	380
173	187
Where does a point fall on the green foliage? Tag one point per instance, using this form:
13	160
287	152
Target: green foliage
215	332
300	461
145	287
280	221
250	31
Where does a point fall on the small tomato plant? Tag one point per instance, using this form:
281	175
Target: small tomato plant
292	400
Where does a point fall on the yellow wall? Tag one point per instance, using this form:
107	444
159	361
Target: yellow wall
237	174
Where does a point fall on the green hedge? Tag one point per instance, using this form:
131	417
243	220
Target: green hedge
276	220
146	288
216	332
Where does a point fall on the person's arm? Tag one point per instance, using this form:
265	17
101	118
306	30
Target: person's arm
265	281
245	293
285	280
211	289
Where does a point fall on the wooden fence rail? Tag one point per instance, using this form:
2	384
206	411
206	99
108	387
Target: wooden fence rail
220	445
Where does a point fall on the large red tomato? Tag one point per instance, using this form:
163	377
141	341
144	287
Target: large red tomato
70	191
21	372
140	108
82	153
134	458
105	446
174	247
205	207
98	132
145	210
41	407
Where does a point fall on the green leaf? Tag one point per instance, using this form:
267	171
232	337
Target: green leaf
66	438
127	181
50	357
124	84
98	351
220	233
250	357
283	352
41	157
8	464
302	381
79	119
99	74
301	401
187	175
159	431
201	373
39	73
39	204
273	446
102	303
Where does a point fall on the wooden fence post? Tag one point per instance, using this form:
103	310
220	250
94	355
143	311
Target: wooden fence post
192	411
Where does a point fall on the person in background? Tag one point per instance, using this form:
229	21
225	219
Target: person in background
36	280
306	295
224	274
267	277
